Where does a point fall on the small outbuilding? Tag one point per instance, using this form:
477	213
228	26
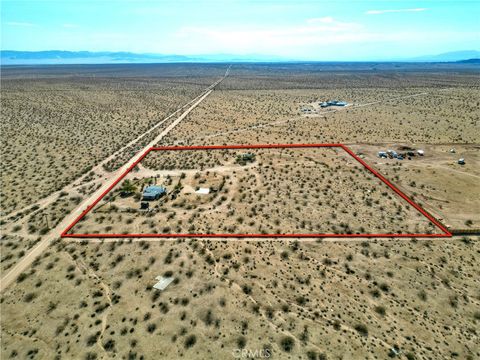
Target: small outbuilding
248	157
203	191
153	192
461	161
420	152
244	158
163	282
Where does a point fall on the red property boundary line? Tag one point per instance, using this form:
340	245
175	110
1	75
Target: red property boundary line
445	232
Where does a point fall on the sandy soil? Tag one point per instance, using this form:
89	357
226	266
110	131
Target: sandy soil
283	191
412	299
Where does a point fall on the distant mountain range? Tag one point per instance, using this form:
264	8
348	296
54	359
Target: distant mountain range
449	56
11	57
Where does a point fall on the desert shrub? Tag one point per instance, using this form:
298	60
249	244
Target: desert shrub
361	329
190	341
109	345
422	295
453	301
313	355
287	343
21	277
151	328
241	342
410	356
91	356
29	297
301	300
51	306
384	287
92	339
247	289
269	312
380	310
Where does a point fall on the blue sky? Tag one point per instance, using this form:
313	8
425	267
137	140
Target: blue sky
320	30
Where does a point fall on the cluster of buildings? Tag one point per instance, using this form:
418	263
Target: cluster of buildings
392	154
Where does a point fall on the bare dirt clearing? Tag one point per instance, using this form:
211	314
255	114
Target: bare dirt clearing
436	180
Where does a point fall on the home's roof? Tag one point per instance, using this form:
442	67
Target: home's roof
153	189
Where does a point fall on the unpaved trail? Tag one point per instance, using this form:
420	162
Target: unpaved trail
98	169
143	172
55	233
446	168
280	122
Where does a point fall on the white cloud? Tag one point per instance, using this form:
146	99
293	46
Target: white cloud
19	23
377	12
323	20
323	38
313	32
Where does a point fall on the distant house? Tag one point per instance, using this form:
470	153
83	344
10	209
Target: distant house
461	161
337	103
333	103
153	192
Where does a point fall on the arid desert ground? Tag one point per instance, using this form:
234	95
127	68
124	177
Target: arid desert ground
69	132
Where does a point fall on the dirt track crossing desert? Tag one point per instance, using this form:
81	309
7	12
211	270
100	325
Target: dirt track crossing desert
407	296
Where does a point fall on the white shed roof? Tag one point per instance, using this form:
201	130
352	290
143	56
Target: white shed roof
163	282
203	191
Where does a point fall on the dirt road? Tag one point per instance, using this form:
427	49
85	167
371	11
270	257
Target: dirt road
98	169
54	233
279	122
